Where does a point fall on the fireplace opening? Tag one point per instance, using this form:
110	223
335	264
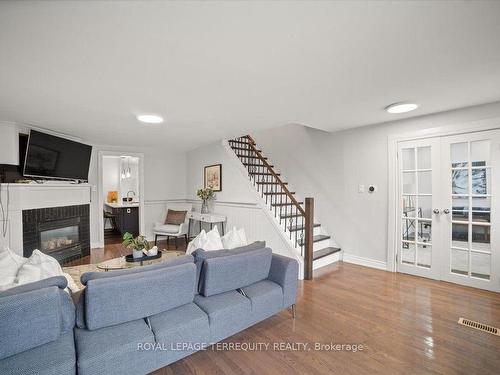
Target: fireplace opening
58	239
61	232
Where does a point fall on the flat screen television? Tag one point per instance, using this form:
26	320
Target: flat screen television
52	157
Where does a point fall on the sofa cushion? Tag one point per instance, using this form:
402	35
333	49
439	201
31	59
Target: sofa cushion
266	298
169	263
28	320
175	217
54	358
115	350
125	298
167	229
180	331
228	313
201	255
231	272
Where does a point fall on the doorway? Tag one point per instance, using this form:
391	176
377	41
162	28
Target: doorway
121	203
448	216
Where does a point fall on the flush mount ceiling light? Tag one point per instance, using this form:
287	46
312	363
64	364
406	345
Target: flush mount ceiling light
150	119
401	107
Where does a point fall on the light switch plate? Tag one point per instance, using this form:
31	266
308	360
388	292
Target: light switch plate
361	188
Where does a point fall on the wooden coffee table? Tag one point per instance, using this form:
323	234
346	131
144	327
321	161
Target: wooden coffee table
115	264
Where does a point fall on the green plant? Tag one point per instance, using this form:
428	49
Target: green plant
137	243
206	194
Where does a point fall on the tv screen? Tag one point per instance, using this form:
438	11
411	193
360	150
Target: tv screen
49	156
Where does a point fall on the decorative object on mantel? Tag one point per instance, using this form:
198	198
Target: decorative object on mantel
137	244
205	195
213	177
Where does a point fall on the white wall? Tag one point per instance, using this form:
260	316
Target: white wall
330	166
110	174
237	200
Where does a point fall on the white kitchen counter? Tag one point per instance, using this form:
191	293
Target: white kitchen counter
122	205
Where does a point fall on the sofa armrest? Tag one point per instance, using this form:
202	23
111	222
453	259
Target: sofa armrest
29	319
285	272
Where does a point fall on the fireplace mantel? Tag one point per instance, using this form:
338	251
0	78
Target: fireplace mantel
33	196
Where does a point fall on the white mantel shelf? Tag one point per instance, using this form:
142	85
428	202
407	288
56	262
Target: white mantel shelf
32	196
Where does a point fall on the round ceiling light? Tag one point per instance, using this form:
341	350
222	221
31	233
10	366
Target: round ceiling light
150	119
401	107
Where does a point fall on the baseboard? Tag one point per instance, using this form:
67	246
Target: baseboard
367	262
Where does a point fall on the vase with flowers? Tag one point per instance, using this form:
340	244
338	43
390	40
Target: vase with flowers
206	195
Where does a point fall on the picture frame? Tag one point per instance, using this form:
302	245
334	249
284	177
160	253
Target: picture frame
213	177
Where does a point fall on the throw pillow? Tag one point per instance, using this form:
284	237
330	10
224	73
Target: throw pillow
234	238
213	241
10	263
38	266
175	217
197	242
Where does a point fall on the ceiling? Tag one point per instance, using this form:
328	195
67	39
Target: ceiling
221	69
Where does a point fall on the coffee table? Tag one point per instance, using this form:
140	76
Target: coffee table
121	264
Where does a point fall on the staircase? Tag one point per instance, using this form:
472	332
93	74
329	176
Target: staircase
296	218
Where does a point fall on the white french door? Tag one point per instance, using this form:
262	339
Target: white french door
448	209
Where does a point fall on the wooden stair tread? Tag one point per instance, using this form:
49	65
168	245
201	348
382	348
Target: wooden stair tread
285	204
241	142
300	227
286	216
244	149
264	174
270	183
250	157
317	238
276	193
256	165
318	254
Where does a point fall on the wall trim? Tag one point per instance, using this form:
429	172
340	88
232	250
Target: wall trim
367	262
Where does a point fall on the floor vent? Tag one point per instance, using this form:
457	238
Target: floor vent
479	326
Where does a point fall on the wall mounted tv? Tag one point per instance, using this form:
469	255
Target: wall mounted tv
52	157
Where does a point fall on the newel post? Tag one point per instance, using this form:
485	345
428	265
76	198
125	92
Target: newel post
309	228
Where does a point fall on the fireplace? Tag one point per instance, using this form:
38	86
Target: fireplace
61	232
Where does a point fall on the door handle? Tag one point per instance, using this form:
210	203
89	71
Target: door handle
436	211
446	211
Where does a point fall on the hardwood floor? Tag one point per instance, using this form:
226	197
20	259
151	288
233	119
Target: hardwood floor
406	324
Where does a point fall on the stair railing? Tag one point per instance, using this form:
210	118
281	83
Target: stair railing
298	221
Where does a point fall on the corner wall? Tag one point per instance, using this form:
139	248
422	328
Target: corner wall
330	166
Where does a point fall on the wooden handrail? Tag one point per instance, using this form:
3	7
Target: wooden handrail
271	170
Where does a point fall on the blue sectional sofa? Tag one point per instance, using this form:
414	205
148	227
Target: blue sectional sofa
136	321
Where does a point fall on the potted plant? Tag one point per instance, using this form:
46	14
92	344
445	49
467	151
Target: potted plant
205	195
137	244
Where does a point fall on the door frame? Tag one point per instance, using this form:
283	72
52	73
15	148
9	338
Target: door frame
393	177
100	192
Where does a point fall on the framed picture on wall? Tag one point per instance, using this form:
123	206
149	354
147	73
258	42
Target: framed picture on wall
213	177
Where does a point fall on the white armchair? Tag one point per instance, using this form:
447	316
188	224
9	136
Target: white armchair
171	230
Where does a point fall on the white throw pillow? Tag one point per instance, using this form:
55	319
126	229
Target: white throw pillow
213	241
39	266
10	263
234	238
197	242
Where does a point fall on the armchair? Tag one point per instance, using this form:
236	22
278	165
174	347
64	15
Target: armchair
172	230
